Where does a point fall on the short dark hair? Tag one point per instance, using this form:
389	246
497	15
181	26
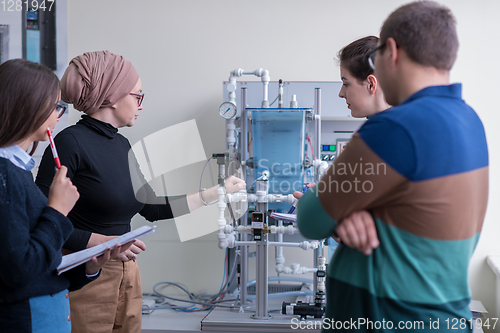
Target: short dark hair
353	57
28	93
426	31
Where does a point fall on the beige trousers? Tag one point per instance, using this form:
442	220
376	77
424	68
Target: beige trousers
110	304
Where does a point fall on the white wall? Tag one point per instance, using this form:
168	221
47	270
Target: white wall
184	49
13	20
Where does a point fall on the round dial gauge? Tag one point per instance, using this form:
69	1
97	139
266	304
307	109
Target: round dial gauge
227	110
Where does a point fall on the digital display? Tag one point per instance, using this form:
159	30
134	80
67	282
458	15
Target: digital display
32	16
257	217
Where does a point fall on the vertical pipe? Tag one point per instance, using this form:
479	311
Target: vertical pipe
262	283
317	107
265	80
244	129
230	137
244	218
280	239
261	312
265	101
315	265
280	93
262	186
302	148
279	257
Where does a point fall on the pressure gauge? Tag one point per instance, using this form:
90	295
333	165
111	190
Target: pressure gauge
227	110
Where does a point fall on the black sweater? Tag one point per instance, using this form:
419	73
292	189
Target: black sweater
97	158
32	237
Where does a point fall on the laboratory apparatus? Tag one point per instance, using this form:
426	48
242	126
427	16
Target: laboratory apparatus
278	150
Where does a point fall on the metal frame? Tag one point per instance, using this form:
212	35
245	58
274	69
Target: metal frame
4	43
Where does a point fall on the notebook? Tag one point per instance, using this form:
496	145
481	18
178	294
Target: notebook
72	260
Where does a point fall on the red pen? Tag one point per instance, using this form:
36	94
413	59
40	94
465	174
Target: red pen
53	147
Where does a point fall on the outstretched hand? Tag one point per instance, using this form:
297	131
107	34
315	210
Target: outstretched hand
358	231
234	184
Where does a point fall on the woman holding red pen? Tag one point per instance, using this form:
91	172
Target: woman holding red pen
107	88
32	296
51	140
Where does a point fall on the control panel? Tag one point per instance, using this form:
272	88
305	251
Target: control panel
335	134
328	152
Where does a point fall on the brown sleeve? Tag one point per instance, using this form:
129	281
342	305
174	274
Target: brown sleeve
358	180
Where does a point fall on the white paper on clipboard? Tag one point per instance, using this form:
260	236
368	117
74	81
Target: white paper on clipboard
72	260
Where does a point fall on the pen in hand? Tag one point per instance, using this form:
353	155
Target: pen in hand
304	190
53	148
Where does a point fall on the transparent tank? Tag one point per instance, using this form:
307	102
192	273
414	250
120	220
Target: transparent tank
278	146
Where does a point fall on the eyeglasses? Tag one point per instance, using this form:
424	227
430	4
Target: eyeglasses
140	97
60	108
371	56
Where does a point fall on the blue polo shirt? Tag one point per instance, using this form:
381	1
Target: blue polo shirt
421	170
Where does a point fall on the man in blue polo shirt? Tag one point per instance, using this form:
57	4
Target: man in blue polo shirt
405	167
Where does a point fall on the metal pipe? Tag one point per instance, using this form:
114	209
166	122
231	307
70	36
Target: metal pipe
262	248
284	244
261	312
243	133
244	218
317	107
315	265
245	243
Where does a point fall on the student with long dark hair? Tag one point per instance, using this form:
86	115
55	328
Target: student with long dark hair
33	297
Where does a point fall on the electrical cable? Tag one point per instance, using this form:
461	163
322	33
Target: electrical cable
221	287
229	166
248	188
274	101
280	294
172	306
199	189
214	302
310	175
312	150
